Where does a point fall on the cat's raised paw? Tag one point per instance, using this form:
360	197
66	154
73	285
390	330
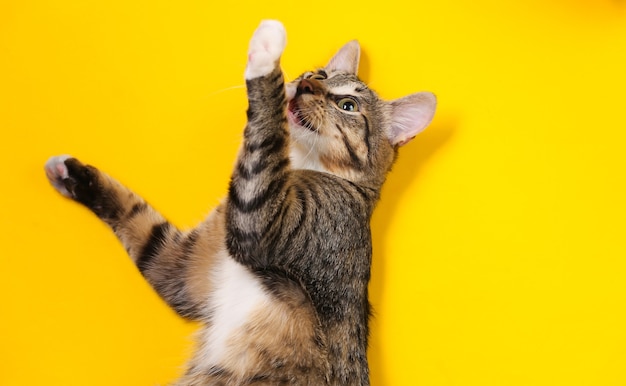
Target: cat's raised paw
57	172
266	47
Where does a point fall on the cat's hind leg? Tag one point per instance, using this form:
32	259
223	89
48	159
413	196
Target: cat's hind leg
168	258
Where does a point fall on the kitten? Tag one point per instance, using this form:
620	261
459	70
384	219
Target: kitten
278	272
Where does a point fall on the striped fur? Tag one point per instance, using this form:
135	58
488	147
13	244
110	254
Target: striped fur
278	272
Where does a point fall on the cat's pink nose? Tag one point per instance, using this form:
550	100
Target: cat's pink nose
309	86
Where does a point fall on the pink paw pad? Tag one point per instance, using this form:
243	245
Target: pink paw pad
56	171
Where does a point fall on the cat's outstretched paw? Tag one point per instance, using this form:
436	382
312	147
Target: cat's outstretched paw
72	179
266	47
57	173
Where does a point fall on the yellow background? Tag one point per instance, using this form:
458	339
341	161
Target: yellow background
500	254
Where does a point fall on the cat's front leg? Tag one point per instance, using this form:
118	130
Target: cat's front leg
108	199
157	247
259	181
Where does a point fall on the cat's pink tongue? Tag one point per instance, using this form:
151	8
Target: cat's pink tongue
292	115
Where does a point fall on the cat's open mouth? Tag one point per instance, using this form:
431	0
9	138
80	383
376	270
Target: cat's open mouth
295	115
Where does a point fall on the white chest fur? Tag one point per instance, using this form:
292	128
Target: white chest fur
303	158
237	294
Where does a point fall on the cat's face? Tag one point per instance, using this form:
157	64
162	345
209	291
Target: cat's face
339	125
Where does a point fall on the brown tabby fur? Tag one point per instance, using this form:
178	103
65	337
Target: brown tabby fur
301	234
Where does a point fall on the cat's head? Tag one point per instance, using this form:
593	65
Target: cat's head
341	126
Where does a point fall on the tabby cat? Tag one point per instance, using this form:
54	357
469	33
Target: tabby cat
278	272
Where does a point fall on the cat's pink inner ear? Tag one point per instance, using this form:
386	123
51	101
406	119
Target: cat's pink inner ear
410	116
346	59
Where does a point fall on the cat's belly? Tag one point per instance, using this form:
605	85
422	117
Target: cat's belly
254	333
237	295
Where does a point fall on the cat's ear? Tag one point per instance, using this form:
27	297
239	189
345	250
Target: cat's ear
346	59
410	116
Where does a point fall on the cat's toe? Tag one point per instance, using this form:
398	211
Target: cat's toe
266	47
57	173
270	36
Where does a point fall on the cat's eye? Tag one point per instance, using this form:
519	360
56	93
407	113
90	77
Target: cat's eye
348	104
317	77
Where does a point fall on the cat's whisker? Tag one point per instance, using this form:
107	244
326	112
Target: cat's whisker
316	139
223	90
